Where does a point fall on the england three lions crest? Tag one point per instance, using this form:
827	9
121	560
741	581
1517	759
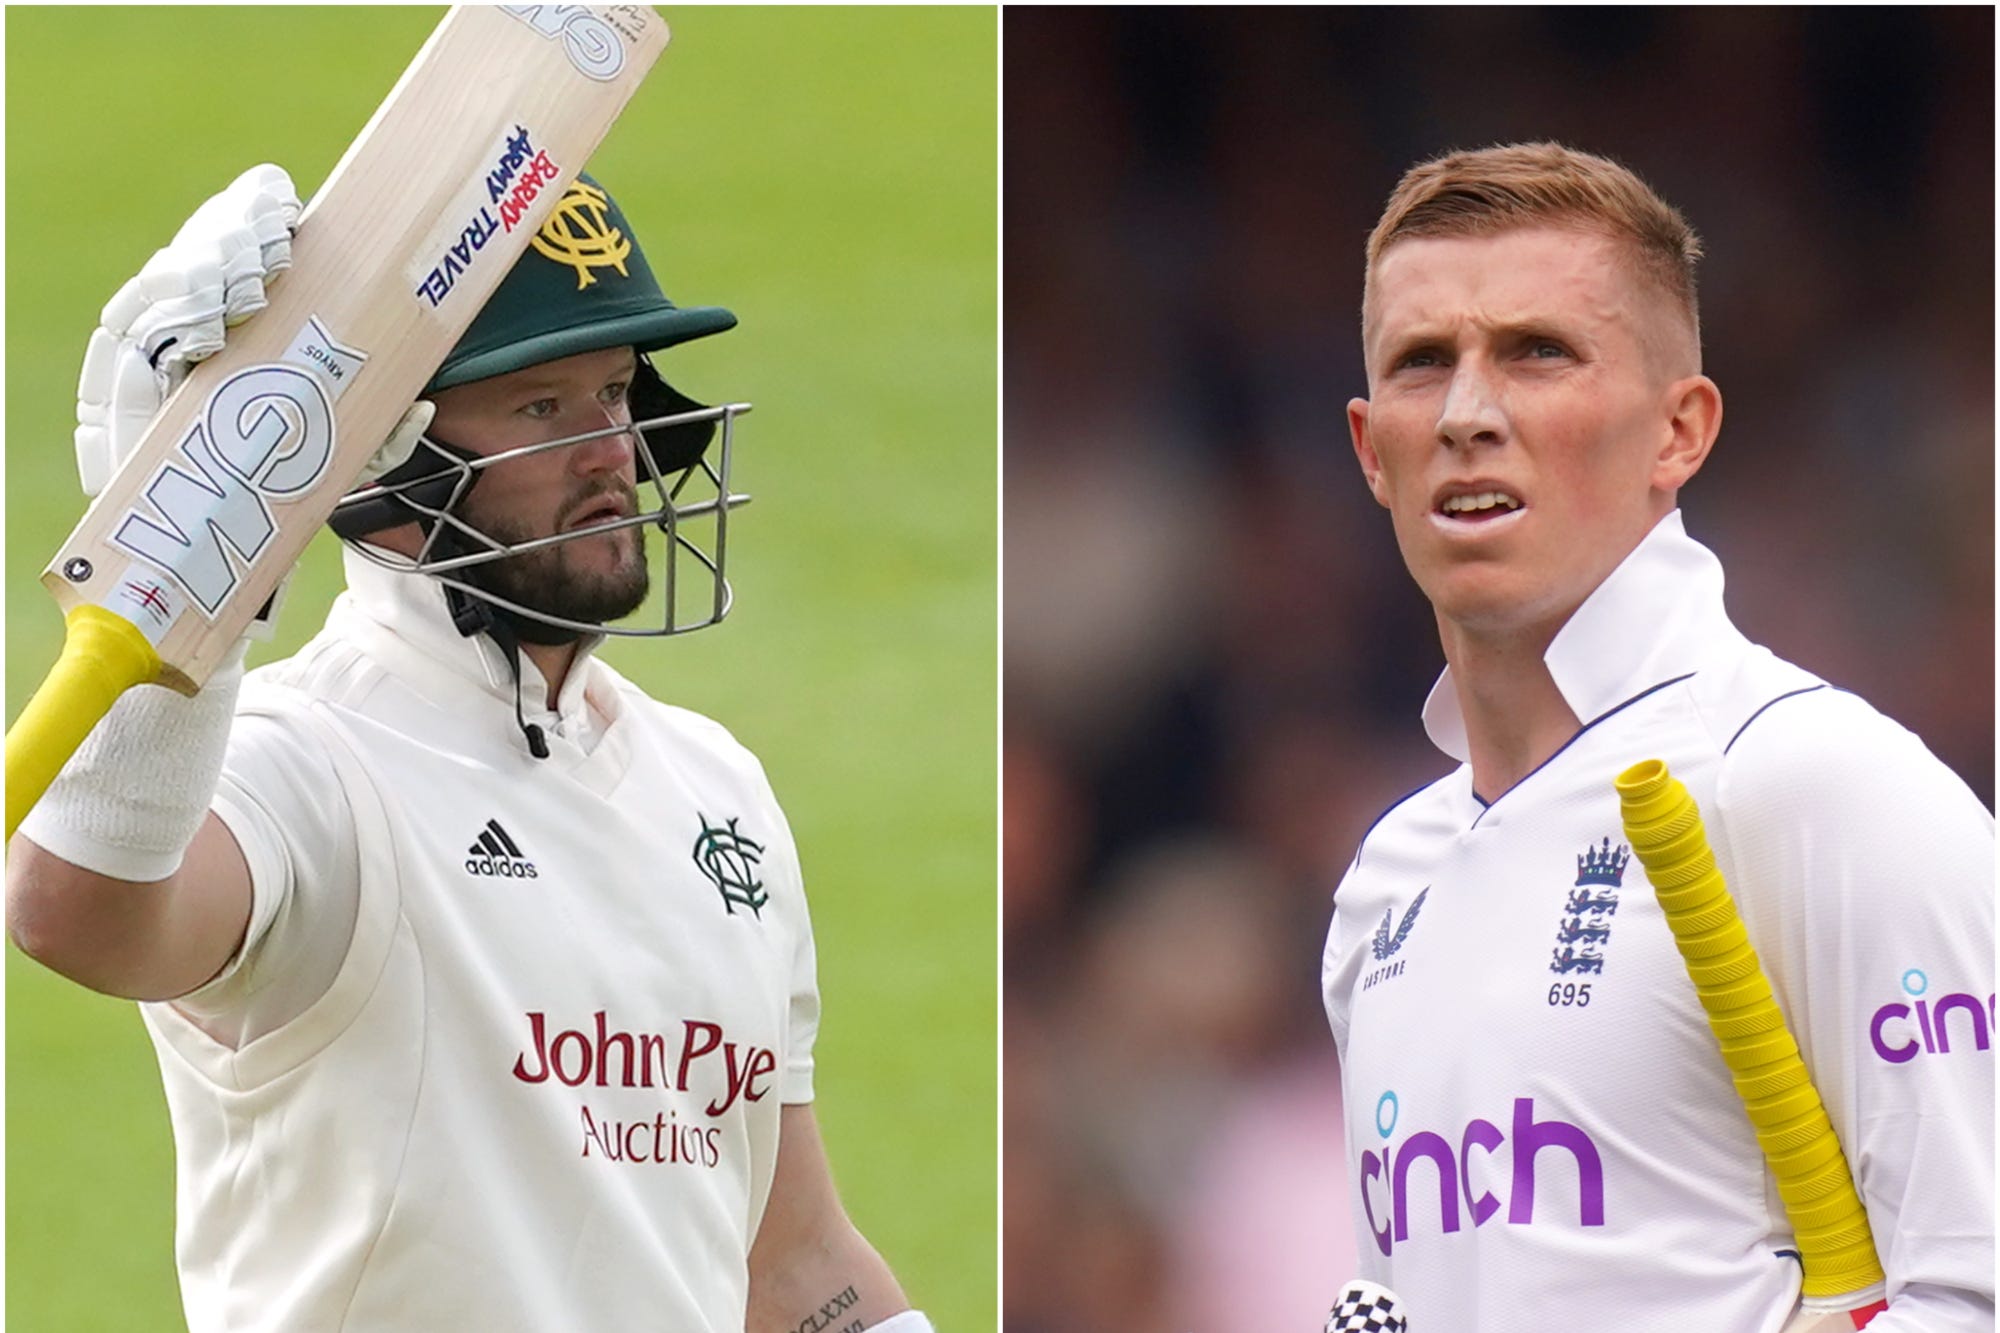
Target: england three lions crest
1585	928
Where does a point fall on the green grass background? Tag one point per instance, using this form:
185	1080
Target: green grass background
831	175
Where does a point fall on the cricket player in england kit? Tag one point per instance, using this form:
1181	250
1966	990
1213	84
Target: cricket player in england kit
1540	1127
482	984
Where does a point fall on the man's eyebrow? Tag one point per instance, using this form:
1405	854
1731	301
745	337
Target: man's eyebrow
1537	326
534	377
1401	342
1403	339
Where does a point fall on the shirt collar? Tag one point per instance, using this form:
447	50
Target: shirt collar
411	609
1657	616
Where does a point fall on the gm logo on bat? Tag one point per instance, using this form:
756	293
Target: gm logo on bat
591	44
265	434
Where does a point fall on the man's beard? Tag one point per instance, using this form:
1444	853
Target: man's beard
547	580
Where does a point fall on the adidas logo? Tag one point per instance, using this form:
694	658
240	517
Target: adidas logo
494	853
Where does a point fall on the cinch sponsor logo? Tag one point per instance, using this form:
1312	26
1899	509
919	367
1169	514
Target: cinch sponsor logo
1901	1032
1387	1178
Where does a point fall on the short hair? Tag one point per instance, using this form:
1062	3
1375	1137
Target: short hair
1509	186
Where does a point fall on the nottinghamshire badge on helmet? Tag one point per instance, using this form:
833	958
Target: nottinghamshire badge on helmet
580	233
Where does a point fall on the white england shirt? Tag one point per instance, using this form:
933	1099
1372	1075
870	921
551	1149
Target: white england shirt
507	1043
1541	1132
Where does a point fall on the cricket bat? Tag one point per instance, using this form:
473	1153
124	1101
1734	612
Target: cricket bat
420	220
1843	1282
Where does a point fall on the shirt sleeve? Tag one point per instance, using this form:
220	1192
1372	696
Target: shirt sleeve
802	1024
1338	964
282	801
1864	870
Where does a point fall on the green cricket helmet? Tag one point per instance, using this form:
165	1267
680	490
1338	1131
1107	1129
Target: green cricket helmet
583	285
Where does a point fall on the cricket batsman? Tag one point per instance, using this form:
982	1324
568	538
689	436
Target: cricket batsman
482	984
1541	1127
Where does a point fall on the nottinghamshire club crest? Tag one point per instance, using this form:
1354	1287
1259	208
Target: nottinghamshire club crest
730	861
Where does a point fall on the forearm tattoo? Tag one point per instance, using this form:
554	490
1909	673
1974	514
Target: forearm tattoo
831	1315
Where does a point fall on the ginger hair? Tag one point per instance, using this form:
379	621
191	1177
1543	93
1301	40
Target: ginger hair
1510	186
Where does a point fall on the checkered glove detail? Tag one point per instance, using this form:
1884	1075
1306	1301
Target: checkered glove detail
1364	1307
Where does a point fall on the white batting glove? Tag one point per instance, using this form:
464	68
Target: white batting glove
172	315
249	228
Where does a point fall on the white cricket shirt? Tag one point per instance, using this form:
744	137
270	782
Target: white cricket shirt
1540	1130
506	1046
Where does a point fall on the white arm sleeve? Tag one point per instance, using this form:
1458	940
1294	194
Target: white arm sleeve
1865	872
281	800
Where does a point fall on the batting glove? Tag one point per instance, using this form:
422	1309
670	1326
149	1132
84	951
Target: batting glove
172	315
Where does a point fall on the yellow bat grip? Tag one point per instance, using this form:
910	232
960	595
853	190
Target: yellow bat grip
103	655
1664	826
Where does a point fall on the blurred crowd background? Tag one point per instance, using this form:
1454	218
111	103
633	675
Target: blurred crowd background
1214	660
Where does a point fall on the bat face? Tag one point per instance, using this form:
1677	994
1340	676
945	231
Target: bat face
264	436
418	223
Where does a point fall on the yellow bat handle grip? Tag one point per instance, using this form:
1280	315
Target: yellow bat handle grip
103	655
1664	826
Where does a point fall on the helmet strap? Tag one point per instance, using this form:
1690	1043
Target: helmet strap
471	616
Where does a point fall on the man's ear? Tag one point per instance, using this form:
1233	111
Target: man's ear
1694	407
1364	450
